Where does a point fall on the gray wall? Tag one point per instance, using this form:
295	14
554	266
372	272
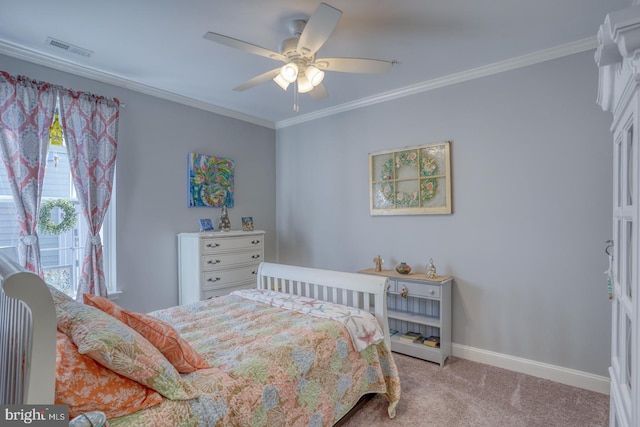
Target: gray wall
532	179
531	161
154	139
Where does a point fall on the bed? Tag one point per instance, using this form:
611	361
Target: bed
303	348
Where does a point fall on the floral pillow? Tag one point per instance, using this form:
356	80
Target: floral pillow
85	385
121	349
58	296
158	332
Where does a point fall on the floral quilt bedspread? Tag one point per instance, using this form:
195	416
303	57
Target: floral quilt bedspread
269	367
362	325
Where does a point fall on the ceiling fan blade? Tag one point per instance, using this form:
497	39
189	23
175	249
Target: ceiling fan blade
319	92
264	77
318	29
247	47
354	65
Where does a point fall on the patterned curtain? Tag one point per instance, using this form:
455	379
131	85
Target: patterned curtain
90	124
26	112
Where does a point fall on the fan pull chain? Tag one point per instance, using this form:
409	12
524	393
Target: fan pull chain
296	107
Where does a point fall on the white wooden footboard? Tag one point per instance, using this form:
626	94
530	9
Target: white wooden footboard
363	291
27	337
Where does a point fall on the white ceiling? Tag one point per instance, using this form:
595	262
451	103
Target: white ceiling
157	46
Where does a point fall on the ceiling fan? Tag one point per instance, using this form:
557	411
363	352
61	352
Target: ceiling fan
298	52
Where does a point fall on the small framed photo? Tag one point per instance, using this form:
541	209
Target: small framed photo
206	224
247	223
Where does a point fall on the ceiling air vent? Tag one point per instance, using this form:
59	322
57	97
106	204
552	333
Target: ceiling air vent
68	47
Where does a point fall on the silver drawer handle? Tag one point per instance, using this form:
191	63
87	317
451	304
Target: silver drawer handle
255	242
432	292
211	279
255	256
213	261
212	245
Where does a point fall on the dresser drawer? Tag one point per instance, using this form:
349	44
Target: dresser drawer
419	289
215	279
216	245
222	260
225	290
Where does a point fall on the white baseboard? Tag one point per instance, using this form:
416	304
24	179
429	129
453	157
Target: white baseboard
558	374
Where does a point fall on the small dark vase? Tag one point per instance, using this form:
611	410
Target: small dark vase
403	268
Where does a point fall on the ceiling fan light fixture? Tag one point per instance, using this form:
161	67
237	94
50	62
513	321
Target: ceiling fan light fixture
304	85
281	82
314	75
289	72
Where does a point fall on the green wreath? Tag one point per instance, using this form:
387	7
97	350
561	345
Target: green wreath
46	225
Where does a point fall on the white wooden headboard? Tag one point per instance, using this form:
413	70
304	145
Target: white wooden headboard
27	337
363	291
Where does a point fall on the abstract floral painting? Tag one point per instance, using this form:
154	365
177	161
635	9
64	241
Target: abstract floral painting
210	181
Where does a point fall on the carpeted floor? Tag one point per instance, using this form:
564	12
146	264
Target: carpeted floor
470	394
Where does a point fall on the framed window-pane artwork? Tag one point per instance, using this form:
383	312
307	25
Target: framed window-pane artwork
411	180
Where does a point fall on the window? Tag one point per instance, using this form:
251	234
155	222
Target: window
61	254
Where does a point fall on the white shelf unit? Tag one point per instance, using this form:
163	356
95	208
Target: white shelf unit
415	303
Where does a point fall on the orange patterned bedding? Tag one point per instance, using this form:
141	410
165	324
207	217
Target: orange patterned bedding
268	366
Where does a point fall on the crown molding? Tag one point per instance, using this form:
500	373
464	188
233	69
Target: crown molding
474	73
39	58
29	55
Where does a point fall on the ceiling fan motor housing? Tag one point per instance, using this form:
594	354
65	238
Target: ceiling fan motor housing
297	26
288	47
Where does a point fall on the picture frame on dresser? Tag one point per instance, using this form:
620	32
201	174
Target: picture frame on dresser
206	224
247	223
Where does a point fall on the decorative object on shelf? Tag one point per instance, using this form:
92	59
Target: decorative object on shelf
431	270
210	181
431	341
404	292
411	180
247	223
69	219
403	268
410	336
224	224
206	224
378	261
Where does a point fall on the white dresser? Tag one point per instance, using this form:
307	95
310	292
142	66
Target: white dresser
217	263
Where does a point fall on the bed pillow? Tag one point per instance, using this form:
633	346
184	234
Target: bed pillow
159	333
118	347
58	295
85	385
